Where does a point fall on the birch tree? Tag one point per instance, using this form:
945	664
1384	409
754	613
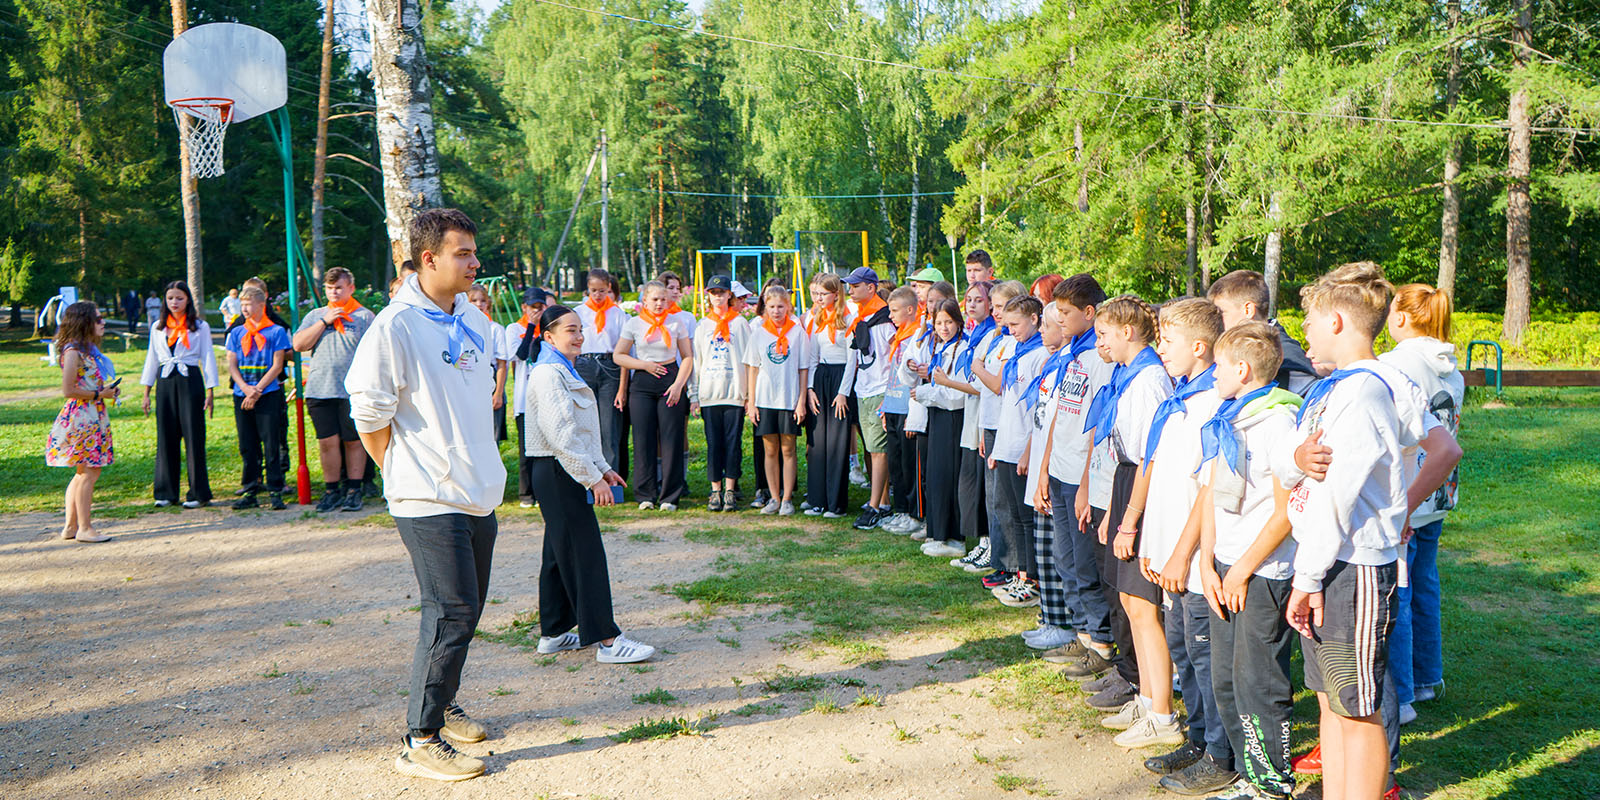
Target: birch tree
408	153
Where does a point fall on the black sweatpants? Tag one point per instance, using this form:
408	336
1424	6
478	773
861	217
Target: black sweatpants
180	407
1121	629
261	440
919	487
604	377
902	455
525	489
450	554
974	503
828	457
724	427
942	506
1250	678
658	433
574	584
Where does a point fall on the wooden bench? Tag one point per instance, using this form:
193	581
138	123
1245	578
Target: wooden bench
1533	377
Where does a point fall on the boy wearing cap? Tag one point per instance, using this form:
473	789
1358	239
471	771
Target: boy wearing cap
534	300
870	335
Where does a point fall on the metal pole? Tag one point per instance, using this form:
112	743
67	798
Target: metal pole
556	258
605	206
292	252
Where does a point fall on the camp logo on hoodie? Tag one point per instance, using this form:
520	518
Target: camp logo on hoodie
466	362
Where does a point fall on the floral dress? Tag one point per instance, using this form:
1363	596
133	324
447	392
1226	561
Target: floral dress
81	435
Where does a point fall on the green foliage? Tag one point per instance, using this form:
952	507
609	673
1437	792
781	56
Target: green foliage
16	273
666	728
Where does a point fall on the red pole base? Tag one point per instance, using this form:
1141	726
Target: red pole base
302	476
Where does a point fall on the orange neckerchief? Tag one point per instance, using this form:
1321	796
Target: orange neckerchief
901	334
599	312
178	328
866	310
674	309
342	313
825	318
782	346
252	334
533	324
723	331
657	325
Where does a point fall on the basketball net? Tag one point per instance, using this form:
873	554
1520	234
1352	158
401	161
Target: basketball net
208	123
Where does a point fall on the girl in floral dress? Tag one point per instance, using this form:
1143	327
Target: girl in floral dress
81	435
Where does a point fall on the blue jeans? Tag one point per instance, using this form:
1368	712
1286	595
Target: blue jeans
1188	628
1078	566
1416	648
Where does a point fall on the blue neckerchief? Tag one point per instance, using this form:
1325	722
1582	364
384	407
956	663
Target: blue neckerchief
108	371
1185	389
1008	373
1324	386
963	364
460	332
995	342
940	349
1102	415
1080	344
550	355
1057	361
927	330
1217	435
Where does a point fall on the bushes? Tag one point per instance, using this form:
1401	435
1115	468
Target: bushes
1556	341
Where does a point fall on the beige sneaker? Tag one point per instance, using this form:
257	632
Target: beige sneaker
1146	732
436	761
461	728
1131	712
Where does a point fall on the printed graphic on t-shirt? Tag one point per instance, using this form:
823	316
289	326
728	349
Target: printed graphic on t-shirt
1311	422
1074	390
466	362
720	356
1444	409
774	356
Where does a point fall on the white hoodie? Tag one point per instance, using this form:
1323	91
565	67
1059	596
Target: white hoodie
442	456
1431	365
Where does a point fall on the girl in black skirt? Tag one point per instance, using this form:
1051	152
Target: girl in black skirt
946	405
657	407
833	380
778	361
569	474
181	368
1122	410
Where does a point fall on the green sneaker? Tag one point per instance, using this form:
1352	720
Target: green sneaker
436	760
462	728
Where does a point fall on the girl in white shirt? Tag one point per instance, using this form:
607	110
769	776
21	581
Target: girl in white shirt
178	365
946	412
832	383
777	362
652	345
602	324
563	446
718	391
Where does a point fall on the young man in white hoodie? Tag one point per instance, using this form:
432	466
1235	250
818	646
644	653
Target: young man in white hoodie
420	390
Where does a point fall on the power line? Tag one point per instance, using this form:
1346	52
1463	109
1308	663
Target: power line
872	196
1200	104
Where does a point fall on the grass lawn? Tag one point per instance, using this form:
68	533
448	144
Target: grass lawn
1518	560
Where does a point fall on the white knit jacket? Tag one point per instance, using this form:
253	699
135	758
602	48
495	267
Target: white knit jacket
566	423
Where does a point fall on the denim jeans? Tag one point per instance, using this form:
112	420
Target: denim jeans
1416	648
1188	629
1079	567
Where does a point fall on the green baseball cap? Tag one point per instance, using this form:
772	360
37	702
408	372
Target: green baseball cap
926	275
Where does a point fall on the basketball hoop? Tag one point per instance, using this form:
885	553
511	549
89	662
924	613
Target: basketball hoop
209	118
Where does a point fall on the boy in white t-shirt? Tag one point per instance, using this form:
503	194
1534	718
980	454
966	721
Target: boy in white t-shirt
987	366
1246	558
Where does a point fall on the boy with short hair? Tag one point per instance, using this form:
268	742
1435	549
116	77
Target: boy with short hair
1008	458
870	334
979	266
1189	329
1246	559
257	349
900	449
330	335
1348	526
1242	296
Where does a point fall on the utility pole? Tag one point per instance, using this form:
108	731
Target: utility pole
605	206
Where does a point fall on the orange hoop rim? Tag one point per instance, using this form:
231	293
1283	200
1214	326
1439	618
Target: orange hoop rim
224	104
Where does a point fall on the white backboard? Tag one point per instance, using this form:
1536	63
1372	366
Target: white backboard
229	61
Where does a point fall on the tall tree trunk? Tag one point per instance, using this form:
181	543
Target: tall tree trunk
408	154
1191	238
1077	153
1450	215
911	241
877	164
319	162
1274	265
188	185
1519	160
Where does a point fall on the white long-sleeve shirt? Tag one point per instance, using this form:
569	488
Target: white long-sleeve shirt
161	360
933	395
442	456
719	368
835	350
566	423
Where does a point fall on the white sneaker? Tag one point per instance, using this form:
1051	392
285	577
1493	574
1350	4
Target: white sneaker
831	515
1131	712
1408	714
920	532
813	512
163	503
896	523
772	507
858	477
786	510
1051	639
976	561
555	644
805	505
525	503
669	506
623	651
192	504
939	549
1147	732
1426	693
646	505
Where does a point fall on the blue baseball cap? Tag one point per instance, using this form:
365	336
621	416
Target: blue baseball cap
862	275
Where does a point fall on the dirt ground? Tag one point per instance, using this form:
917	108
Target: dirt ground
264	655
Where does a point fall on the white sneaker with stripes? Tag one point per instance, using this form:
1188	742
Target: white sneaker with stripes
623	651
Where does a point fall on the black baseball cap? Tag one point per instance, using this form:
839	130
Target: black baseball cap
533	296
862	275
722	282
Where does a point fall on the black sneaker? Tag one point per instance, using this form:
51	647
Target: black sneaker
714	502
330	501
1101	683
1177	760
762	499
352	501
1112	697
277	501
370	489
867	520
1087	666
246	501
1204	776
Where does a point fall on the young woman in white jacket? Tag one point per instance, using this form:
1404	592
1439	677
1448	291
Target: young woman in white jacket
563	445
945	408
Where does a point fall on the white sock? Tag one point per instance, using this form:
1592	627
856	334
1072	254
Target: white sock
1163	719
1103	650
1146	703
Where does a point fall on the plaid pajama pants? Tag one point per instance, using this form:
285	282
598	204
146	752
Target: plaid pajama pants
1052	593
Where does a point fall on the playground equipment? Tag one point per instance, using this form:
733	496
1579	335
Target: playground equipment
225	73
796	279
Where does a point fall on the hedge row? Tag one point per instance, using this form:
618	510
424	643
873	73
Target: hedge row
1569	341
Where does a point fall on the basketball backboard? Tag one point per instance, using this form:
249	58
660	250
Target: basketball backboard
227	61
